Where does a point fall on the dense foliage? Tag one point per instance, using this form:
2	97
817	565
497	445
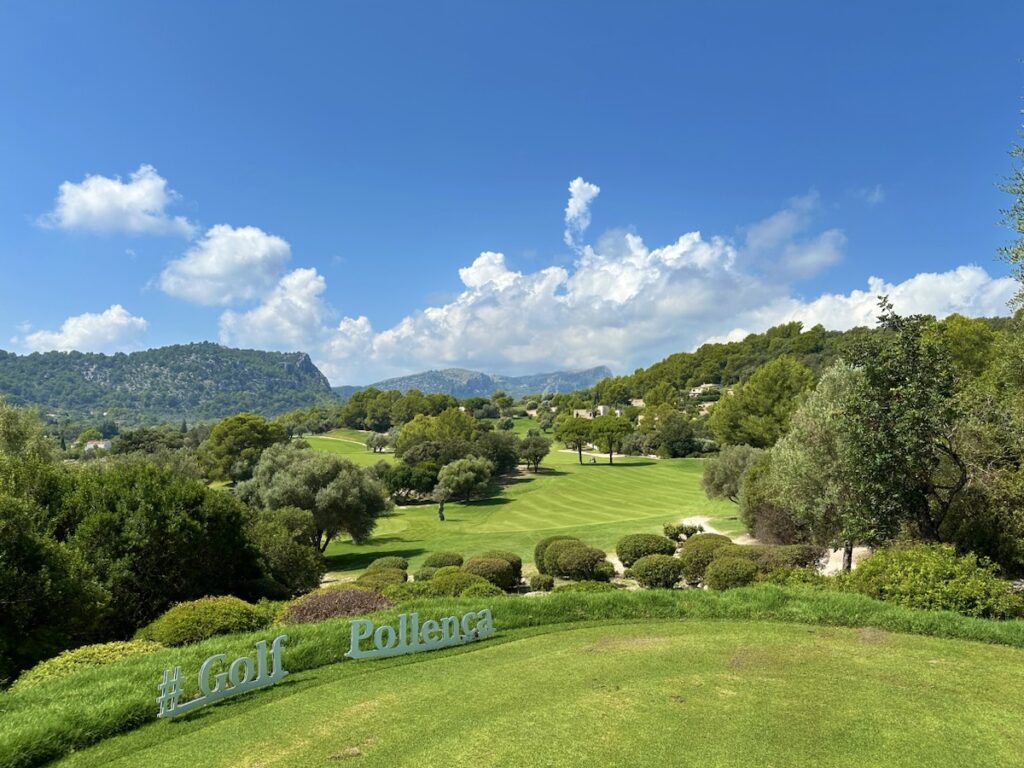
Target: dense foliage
658	571
332	604
84	657
631	548
200	619
729	572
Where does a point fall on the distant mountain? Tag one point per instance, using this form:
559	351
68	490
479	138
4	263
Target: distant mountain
192	381
461	383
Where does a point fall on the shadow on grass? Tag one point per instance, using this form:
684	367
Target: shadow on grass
354	561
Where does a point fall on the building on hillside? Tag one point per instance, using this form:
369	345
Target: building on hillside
703	389
583	413
705	408
637	402
93	445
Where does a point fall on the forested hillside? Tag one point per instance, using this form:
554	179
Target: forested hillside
462	383
192	381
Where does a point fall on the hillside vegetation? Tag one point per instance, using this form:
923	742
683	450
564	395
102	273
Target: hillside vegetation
460	382
193	381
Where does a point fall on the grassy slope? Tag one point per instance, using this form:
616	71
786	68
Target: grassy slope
349	444
696	693
596	502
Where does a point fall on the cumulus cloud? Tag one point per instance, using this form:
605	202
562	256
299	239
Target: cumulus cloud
104	204
577	211
782	241
291	318
112	330
227	265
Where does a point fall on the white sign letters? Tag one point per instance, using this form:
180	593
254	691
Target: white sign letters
411	637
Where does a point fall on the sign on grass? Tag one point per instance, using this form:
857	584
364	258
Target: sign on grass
243	674
412	637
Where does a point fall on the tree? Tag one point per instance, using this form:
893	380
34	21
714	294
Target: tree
661	393
285	540
462	479
235	444
505	423
533	450
545	421
608	432
724	473
574	432
758	413
451	431
342	497
377	442
673	433
499	448
1013	217
87	436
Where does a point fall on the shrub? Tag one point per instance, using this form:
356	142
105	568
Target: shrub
729	572
380	577
442	559
424	574
770	557
692	530
497	572
572	559
698	552
541	582
542	546
511	558
410	590
795	577
587	586
199	619
83	658
935	578
332	604
482	590
674	531
632	548
399	563
453	584
604	571
658	571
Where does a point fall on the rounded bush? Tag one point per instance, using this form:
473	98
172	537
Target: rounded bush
604	571
698	552
632	548
441	559
511	558
329	603
482	590
85	657
541	582
770	557
541	548
410	590
674	531
587	586
658	571
572	559
380	577
425	573
934	577
391	561
454	584
729	572
497	572
200	619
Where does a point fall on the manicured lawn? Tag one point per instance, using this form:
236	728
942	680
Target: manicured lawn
349	444
713	694
599	503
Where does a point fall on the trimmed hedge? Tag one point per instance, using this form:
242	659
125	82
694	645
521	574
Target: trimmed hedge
587	586
771	557
327	604
425	574
200	619
441	559
572	559
698	552
541	548
658	571
498	572
541	582
631	548
511	558
729	572
453	584
389	562
379	578
482	590
85	657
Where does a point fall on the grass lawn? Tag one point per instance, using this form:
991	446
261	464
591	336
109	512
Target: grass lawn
349	444
599	503
696	692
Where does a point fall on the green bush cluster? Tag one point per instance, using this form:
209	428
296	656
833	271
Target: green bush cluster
426	573
85	657
391	561
771	557
631	548
201	619
442	559
379	578
542	582
331	603
541	548
658	571
729	572
587	586
498	572
509	557
934	577
698	552
681	532
572	559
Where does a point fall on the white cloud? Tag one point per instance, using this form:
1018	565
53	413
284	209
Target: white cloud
291	318
104	204
577	211
872	195
781	241
112	330
227	265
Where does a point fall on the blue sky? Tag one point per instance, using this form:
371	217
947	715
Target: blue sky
387	186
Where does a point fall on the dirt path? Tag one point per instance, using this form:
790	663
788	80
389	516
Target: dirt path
743	538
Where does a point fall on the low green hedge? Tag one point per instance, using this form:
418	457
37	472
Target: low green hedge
498	572
425	573
380	577
730	572
658	571
333	604
541	548
631	548
572	559
390	561
770	557
441	559
698	552
200	619
509	557
542	582
586	586
86	657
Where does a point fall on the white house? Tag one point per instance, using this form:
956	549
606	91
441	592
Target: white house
92	445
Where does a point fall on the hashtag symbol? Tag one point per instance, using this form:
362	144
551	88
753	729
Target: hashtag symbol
170	692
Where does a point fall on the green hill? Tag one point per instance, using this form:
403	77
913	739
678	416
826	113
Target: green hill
193	381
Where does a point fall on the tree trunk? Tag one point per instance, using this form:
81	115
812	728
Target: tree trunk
848	556
579	447
610	457
440	511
